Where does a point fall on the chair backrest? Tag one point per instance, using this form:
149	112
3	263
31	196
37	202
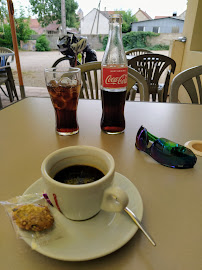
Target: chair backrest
91	82
6	50
137	52
191	81
140	84
152	66
90	76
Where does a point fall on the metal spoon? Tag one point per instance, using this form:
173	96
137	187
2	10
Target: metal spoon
138	223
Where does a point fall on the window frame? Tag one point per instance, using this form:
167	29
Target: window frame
141	30
158	29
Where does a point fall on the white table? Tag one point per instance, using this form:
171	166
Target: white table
172	198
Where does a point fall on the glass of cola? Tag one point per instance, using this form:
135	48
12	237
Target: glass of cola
64	88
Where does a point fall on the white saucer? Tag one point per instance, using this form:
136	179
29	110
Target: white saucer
85	240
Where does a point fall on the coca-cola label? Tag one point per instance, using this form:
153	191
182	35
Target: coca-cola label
114	77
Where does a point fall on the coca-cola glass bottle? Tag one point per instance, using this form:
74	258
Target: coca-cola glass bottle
114	77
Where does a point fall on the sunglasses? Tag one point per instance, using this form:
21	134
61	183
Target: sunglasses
165	152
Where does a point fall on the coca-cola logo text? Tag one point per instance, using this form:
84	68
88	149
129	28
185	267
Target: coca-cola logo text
114	77
116	80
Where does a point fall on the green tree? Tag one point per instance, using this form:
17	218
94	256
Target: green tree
5	36
137	39
42	43
128	18
50	10
3	10
23	31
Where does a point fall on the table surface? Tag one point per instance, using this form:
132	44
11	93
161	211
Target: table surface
171	197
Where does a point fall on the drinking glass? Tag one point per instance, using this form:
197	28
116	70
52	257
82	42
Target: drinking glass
64	86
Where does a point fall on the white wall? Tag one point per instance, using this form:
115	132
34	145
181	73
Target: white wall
89	19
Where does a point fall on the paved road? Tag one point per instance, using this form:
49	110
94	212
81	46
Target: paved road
33	65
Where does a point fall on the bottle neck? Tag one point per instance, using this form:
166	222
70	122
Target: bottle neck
115	53
115	33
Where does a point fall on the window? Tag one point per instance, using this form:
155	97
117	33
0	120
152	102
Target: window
140	28
175	29
156	29
51	32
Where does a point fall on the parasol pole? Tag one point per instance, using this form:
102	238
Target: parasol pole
63	17
15	46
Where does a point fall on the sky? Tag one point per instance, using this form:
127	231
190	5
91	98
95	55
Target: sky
152	7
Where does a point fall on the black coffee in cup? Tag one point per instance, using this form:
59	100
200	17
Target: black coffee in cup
78	175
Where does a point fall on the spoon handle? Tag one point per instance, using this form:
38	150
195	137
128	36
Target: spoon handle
138	223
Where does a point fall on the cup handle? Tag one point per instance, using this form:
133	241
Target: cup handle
114	199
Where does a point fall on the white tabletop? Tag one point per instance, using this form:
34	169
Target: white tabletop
171	197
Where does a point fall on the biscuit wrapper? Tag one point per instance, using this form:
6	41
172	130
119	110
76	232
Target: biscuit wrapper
34	239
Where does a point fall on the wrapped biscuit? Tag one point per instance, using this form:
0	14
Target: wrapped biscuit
31	218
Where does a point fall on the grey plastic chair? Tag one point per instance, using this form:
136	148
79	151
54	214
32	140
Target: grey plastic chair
91	82
137	52
191	81
5	80
9	59
152	66
6	75
140	85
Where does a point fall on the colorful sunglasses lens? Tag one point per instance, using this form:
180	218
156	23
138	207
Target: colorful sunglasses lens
171	154
141	139
164	151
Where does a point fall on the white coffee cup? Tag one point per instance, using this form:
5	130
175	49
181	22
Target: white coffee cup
80	202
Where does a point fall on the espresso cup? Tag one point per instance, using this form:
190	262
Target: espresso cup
82	201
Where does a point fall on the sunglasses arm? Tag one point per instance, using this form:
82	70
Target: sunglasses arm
151	137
